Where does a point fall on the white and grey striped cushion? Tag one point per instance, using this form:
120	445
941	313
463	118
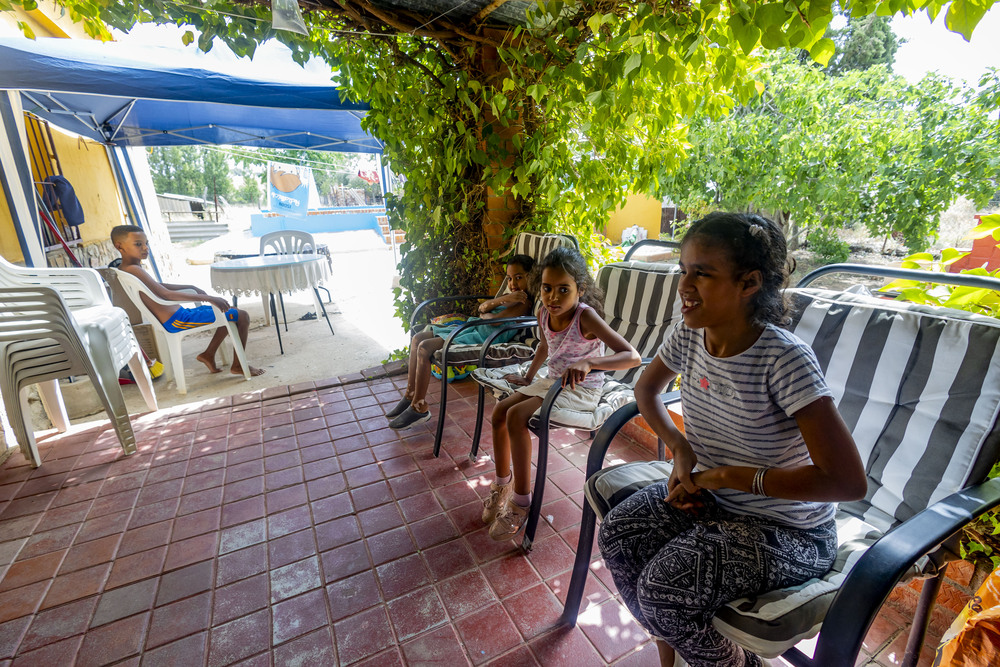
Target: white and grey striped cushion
640	304
920	389
538	245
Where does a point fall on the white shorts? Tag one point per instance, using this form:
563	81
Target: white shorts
580	399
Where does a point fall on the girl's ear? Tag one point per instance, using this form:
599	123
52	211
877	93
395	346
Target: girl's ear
750	282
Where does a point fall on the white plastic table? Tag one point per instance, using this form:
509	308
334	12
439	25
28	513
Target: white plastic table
272	274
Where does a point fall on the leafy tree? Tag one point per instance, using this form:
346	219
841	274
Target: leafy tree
891	157
191	171
566	116
864	42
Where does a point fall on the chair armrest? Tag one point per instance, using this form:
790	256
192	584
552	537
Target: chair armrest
877	572
609	429
509	324
428	302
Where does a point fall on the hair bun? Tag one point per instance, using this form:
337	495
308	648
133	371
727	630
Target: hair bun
756	230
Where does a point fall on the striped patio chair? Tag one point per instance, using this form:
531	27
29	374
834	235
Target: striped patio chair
640	304
535	245
919	387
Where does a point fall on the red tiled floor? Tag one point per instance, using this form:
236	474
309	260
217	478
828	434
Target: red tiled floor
348	543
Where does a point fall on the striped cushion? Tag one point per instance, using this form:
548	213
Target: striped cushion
640	303
538	245
897	370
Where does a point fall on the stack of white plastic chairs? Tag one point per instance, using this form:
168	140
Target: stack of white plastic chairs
56	323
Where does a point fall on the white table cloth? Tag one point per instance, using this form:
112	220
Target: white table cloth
270	274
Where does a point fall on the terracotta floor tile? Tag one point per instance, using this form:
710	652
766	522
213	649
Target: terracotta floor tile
337	532
236	456
11	633
241	564
155	513
59	623
488	633
204	480
283	478
611	628
299	577
439	646
20	527
332	507
179	619
564	646
30	570
363	635
244	488
380	519
184	582
136	567
353	594
534	611
124	601
239	639
242	536
286	498
315	648
371	496
449	559
402	575
551	556
243	511
345	561
191	550
519	657
198	523
241	598
154	493
486	548
26	506
64	515
45	542
59	653
76	585
291	548
290	521
145	537
416	613
390	545
466	593
433	530
22	601
188	651
299	615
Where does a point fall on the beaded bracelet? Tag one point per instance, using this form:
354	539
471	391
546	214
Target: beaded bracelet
757	486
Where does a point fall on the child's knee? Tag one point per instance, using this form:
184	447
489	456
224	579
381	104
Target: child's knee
518	416
499	416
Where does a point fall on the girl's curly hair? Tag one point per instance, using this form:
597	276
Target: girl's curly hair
572	262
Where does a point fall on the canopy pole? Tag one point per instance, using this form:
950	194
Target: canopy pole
15	174
118	158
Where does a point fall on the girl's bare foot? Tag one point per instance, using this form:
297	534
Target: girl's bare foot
209	362
254	372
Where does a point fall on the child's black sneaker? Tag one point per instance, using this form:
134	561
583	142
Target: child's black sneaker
408	418
398	410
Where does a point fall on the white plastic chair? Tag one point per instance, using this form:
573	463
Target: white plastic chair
171	340
39	343
291	242
104	327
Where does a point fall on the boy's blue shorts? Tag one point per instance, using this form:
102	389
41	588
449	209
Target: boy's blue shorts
191	318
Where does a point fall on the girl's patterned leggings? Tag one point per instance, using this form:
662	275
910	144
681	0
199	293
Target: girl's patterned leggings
675	569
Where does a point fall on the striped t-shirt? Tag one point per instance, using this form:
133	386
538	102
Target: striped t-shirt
738	411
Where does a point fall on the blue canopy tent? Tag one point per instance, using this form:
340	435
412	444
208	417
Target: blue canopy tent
125	96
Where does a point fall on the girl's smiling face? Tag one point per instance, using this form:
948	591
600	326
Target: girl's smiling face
711	294
517	278
559	292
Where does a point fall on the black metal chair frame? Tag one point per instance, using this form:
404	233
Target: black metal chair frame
876	573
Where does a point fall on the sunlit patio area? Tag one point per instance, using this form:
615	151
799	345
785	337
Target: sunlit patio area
291	527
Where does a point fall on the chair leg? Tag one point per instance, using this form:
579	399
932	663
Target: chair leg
921	619
238	350
442	406
581	567
16	404
104	378
322	309
539	490
281	299
145	383
52	401
480	408
277	327
267	310
177	363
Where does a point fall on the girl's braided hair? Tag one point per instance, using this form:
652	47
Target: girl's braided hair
753	243
572	262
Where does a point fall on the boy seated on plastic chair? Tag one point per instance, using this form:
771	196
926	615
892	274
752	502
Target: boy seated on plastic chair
131	242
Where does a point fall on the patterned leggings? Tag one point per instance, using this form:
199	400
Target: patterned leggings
674	569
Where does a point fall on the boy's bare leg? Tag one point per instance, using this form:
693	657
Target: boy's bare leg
414	362
422	374
243	329
208	356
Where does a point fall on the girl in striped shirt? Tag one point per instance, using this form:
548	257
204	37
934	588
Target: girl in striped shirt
748	506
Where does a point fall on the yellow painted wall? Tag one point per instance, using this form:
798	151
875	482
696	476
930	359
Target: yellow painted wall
641	210
84	162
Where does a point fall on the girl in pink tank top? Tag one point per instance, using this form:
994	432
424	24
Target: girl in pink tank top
573	337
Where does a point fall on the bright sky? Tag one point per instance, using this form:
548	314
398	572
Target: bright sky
932	47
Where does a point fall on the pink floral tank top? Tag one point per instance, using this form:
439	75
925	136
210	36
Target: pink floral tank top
569	345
